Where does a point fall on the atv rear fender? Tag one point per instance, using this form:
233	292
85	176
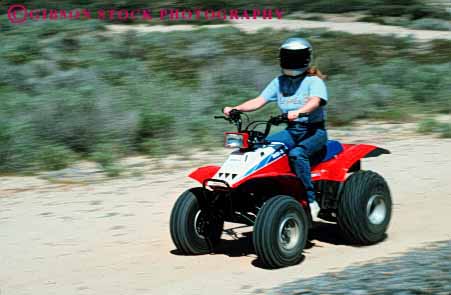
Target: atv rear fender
336	169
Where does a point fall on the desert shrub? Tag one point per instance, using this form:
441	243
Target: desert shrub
402	21
155	147
80	93
431	24
420	10
21	49
200	133
348	100
22	150
204	48
153	125
337	7
413	14
80	122
425	81
107	156
306	17
388	10
55	156
446	131
398	87
429	126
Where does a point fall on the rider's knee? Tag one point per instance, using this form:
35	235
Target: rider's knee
298	153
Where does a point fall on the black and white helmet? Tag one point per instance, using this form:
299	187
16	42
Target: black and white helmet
295	56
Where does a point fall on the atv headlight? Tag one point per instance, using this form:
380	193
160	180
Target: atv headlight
236	140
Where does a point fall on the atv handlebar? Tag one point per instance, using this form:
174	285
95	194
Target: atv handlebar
234	117
283	118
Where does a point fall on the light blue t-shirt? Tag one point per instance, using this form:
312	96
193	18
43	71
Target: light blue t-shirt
310	86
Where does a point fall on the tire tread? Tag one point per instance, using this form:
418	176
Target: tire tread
263	230
351	217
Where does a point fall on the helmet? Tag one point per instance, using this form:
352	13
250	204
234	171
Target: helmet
295	56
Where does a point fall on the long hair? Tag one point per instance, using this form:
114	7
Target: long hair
314	71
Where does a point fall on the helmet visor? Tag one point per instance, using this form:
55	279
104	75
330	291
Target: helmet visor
294	59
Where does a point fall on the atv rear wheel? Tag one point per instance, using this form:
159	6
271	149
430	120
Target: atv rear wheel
194	231
280	232
364	210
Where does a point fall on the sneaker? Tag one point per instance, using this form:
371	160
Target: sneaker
314	210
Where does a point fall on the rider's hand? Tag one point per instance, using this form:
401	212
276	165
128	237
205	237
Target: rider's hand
227	110
293	115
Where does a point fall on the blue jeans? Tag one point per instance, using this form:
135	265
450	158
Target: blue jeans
303	143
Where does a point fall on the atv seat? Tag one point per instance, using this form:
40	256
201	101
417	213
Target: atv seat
330	150
333	148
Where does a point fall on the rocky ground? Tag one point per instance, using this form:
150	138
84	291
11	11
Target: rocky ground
426	270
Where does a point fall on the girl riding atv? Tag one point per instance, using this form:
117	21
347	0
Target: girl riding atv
299	90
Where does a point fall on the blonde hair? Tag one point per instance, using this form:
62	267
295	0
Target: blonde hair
314	71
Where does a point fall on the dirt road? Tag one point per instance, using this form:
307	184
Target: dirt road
252	26
113	238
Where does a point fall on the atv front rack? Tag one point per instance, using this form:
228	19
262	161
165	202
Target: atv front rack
224	187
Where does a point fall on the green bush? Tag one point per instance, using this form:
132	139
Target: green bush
107	156
420	10
154	147
445	131
77	92
154	125
431	24
429	126
55	157
388	10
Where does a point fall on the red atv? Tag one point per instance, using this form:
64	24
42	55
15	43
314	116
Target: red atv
255	186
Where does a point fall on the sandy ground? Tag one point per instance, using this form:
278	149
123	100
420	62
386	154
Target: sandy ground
333	24
112	237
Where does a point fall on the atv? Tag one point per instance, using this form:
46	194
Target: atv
256	186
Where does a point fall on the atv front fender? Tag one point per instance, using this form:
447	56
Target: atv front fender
205	172
337	168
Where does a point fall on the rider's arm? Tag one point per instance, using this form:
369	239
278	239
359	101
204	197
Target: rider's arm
267	95
312	104
252	104
248	106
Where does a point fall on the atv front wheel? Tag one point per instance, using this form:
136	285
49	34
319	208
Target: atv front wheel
194	231
280	232
364	210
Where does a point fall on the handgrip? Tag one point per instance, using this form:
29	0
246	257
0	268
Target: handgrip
302	115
